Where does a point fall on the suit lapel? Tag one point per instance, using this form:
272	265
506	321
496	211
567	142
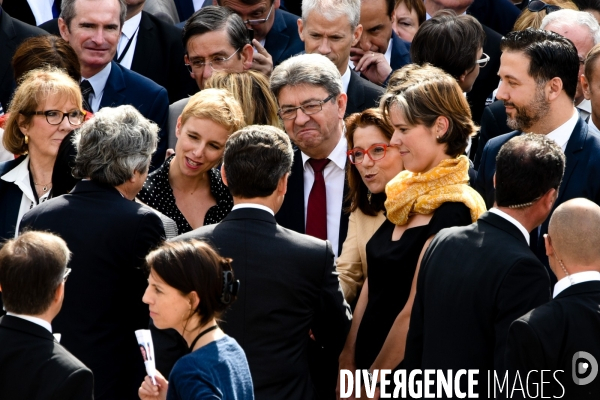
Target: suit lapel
572	153
276	41
344	216
146	38
355	93
400	55
115	87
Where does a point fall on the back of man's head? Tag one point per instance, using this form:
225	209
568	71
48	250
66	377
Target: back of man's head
550	56
570	18
255	159
216	18
32	267
527	167
449	42
574	230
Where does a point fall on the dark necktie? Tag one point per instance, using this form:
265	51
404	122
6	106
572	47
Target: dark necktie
86	90
316	212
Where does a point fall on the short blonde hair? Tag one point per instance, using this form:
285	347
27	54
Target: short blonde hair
530	19
251	89
34	89
217	105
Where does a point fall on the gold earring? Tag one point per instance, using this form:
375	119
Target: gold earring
26	139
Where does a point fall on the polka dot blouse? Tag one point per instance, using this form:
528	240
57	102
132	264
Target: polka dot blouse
157	193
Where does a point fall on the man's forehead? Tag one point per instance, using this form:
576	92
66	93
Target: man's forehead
209	43
319	22
302	92
237	4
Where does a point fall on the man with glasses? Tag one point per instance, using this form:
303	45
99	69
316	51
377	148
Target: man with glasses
215	39
33	272
274	30
308	89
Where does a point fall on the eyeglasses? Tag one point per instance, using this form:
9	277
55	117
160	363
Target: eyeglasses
483	60
67	273
375	152
581	60
255	22
216	64
56	117
310	108
538	5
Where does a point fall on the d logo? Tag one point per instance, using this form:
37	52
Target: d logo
580	367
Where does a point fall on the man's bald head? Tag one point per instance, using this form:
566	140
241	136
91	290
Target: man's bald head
575	234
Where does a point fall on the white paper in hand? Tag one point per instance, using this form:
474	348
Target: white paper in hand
144	339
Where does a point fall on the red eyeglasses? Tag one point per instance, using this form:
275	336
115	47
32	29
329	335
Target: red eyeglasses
375	152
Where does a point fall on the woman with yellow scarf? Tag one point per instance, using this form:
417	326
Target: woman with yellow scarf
432	124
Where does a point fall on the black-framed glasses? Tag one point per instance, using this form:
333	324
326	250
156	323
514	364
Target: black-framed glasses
56	117
376	152
483	60
310	108
216	64
67	273
538	5
255	22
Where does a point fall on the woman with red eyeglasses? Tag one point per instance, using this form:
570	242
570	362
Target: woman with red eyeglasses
373	163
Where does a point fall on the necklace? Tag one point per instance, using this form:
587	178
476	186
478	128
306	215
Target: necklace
44	186
204	332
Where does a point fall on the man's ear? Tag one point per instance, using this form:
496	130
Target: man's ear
585	87
494	180
247	55
282	184
356	35
300	29
223	175
63	29
548	244
554	88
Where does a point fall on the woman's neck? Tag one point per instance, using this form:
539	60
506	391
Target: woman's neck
184	183
41	168
190	335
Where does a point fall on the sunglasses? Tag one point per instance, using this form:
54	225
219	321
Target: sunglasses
538	5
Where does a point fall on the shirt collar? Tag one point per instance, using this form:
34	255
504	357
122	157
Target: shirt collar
585	105
253	205
562	134
388	53
593	126
131	25
513	221
346	79
574	279
337	156
35	320
98	81
20	177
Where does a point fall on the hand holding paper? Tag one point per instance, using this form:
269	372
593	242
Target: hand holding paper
144	339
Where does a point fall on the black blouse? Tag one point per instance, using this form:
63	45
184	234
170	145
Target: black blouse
158	194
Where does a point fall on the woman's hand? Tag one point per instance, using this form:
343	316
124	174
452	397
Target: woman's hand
149	391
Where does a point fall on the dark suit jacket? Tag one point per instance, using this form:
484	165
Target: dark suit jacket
109	237
21	10
288	287
185	9
488	79
474	281
291	213
499	15
580	179
12	33
493	124
549	337
362	94
36	367
283	40
10	202
158	56
127	87
400	53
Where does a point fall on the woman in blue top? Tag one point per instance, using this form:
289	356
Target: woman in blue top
189	287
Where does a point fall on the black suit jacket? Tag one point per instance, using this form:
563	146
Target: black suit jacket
12	33
109	237
283	40
36	367
158	56
362	94
493	124
291	213
580	178
474	281
288	287
10	202
548	338
499	15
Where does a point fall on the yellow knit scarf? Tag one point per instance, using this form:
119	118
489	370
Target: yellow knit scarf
422	193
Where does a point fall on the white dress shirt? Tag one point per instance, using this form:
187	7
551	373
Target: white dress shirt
98	83
334	176
592	127
584	108
346	79
38	321
388	53
574	279
562	134
20	177
513	221
130	29
253	205
42	10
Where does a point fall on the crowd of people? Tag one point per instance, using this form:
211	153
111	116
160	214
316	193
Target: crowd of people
282	192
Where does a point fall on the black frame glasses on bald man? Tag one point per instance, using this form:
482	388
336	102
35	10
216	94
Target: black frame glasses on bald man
308	108
56	117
